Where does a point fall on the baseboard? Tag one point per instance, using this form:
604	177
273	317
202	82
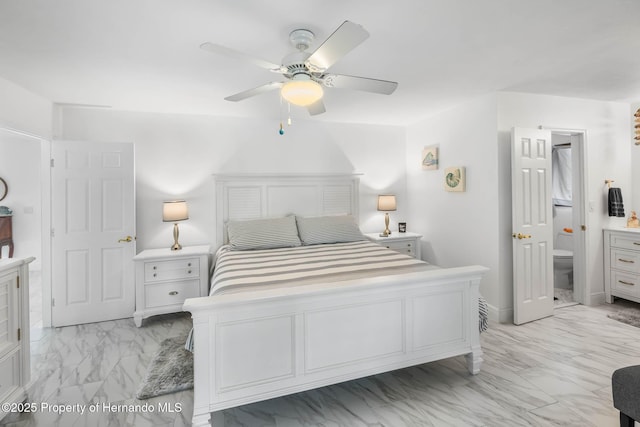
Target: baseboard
504	315
596	298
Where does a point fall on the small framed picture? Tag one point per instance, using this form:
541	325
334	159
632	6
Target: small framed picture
402	227
430	158
455	179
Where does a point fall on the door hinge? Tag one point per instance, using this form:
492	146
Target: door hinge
53	302
583	227
52	163
18	282
53	232
18	334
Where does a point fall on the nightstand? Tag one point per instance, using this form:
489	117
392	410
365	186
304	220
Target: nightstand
165	278
406	243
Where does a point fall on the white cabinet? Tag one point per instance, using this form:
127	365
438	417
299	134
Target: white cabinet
622	264
406	243
15	367
165	278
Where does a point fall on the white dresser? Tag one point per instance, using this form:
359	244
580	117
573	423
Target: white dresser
622	264
165	278
406	243
15	365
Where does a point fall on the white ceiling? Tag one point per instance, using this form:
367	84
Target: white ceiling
144	55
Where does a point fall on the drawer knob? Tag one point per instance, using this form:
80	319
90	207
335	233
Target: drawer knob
155	267
173	293
154	274
626	283
189	272
626	260
189	265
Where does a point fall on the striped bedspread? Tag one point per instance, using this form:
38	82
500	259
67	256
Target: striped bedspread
237	271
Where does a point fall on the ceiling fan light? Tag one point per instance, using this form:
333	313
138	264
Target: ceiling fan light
301	92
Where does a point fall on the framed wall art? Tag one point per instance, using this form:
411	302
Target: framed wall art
455	179
430	158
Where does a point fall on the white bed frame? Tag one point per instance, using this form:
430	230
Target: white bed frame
250	347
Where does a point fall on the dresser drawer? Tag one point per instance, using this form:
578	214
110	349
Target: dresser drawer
625	260
171	270
625	284
625	241
162	294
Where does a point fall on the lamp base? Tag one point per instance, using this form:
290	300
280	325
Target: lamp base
176	246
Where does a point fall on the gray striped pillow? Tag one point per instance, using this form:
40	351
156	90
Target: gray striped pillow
263	233
328	229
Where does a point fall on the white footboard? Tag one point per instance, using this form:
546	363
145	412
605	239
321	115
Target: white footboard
255	346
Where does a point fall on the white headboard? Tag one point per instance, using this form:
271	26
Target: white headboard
251	196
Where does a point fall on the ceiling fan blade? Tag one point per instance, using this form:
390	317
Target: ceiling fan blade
384	87
221	50
255	91
342	41
316	108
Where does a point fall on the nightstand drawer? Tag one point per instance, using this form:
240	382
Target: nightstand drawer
170	293
171	270
625	260
406	247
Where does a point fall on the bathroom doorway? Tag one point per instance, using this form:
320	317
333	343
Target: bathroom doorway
569	217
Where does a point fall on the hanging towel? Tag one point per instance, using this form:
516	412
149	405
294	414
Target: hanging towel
616	207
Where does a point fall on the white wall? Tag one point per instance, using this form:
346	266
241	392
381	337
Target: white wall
458	228
24	111
177	156
475	227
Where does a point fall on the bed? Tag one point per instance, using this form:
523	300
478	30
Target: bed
257	339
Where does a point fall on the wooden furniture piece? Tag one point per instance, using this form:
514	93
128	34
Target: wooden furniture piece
165	278
622	264
406	243
6	234
258	345
15	357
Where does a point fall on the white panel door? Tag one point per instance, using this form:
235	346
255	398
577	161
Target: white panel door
532	224
93	229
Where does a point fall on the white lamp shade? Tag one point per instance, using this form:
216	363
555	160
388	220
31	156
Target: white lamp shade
386	202
175	211
302	92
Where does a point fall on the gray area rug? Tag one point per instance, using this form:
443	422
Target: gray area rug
170	370
630	316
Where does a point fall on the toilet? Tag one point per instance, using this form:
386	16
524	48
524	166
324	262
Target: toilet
563	260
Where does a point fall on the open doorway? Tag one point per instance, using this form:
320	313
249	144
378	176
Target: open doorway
20	167
569	217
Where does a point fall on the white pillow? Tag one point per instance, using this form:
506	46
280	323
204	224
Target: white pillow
263	233
328	229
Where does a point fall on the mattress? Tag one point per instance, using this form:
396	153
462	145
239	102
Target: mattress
239	271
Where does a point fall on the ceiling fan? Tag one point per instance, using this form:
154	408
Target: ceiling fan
306	73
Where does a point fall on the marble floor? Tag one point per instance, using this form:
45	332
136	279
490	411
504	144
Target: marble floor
552	372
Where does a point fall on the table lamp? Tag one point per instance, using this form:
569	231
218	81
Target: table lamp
175	211
386	203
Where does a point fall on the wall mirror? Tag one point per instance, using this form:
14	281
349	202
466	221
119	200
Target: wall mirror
4	189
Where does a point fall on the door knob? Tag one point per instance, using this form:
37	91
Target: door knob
521	236
126	239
